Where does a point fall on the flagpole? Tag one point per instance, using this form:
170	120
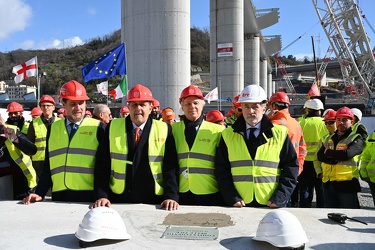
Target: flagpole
37	80
219	94
123	99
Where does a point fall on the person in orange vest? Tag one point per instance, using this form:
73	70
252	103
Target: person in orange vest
278	105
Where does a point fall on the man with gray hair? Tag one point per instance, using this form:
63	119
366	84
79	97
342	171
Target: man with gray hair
103	113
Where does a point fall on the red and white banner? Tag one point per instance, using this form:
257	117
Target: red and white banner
102	87
25	70
212	95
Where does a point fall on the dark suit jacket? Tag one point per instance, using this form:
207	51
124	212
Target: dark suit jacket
139	180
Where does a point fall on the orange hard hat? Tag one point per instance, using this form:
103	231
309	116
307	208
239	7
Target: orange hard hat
235	102
36	111
47	98
214	116
155	103
14	107
124	110
73	91
191	90
345	112
330	115
168	114
280	98
139	93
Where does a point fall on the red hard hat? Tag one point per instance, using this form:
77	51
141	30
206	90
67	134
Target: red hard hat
73	91
214	116
155	103
87	112
61	111
330	115
124	110
36	111
280	97
47	98
191	90
345	112
14	107
139	93
235	102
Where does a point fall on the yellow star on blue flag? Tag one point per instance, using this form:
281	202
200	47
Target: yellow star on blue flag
110	64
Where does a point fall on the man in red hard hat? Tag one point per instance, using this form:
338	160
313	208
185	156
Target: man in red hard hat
155	112
137	160
35	113
124	111
196	141
216	116
340	154
71	145
37	131
61	113
236	111
15	113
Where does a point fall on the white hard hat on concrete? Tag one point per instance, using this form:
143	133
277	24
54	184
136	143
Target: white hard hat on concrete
357	113
102	223
252	93
315	104
281	229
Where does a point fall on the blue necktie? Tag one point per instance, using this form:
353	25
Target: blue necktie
73	129
252	137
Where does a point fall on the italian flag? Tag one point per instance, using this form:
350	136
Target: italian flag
120	90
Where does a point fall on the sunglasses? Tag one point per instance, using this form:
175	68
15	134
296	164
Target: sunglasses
329	123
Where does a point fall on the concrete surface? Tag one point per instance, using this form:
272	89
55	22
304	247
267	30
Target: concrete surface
50	225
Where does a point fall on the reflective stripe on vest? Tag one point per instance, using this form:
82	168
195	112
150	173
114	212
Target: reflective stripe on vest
22	160
343	170
257	177
119	154
40	139
72	164
197	165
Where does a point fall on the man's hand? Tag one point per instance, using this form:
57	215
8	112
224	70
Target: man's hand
240	203
31	198
271	204
169	205
102	202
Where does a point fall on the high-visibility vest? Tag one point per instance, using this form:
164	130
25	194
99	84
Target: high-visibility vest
196	166
256	177
22	160
72	163
25	128
230	119
367	165
313	130
40	130
343	170
119	154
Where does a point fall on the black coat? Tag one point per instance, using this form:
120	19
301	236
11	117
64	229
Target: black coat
139	180
45	181
288	165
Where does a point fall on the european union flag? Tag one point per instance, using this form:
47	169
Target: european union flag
110	64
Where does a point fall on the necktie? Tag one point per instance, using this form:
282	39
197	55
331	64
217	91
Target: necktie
137	135
73	129
252	137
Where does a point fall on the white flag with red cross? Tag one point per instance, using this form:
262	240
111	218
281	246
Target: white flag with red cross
25	70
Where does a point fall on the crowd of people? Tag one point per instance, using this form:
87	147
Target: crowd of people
256	155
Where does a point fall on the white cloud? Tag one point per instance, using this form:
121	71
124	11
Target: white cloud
91	11
28	44
14	16
58	44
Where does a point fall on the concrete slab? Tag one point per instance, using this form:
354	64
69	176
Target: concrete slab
51	225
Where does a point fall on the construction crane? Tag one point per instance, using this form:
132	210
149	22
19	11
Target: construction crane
342	24
281	66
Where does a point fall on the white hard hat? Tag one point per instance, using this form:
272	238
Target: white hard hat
102	223
315	104
252	93
357	113
281	229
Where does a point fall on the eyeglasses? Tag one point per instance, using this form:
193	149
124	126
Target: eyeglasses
329	123
12	113
46	106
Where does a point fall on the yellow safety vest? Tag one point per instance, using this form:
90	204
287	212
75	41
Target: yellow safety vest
22	160
343	170
367	165
256	177
25	128
197	165
313	129
119	154
72	164
40	130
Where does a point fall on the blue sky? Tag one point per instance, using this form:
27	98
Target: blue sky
41	24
